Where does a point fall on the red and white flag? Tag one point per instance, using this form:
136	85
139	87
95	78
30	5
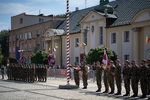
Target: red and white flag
8	62
105	60
54	49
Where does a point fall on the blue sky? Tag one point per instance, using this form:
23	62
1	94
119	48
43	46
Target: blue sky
10	8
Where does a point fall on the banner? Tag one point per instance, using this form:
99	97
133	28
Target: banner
62	72
50	72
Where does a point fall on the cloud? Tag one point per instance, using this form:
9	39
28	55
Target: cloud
13	8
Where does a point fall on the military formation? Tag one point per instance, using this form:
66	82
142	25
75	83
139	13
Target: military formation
27	73
132	75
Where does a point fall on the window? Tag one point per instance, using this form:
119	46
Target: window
76	42
21	47
43	45
20	36
17	43
29	47
9	38
43	33
41	20
9	49
126	36
21	20
126	57
77	59
25	47
38	32
25	36
113	38
101	36
29	35
38	40
14	50
14	38
85	37
34	34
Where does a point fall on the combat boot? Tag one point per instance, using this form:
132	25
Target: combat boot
99	90
134	95
127	94
112	92
118	93
106	91
143	96
84	88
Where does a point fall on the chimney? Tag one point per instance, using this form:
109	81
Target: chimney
106	12
77	8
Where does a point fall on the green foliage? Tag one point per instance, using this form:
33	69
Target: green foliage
4	41
4	61
63	15
12	60
41	57
97	55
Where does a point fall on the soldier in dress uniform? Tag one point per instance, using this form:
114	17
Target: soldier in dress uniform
111	74
106	79
84	69
98	76
148	76
76	74
126	76
2	71
143	78
134	78
118	71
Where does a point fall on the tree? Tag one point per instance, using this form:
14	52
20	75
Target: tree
96	54
41	57
4	42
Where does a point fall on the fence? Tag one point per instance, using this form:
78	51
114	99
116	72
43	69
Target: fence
62	73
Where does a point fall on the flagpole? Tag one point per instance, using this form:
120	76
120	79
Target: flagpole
68	44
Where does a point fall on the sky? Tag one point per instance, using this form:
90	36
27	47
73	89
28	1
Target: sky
10	8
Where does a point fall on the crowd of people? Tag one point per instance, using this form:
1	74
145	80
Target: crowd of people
113	73
26	73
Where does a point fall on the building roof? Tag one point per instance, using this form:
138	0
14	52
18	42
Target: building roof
125	12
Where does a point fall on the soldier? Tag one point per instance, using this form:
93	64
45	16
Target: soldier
76	74
126	76
98	76
111	75
84	69
118	72
143	79
105	79
134	78
2	71
45	73
148	76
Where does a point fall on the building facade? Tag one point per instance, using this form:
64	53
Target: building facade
30	36
120	25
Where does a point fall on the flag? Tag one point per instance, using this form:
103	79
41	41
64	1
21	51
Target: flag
56	47
54	50
77	68
8	62
80	44
49	49
147	39
84	44
105	60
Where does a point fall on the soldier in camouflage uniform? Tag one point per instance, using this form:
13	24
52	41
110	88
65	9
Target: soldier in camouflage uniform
76	74
134	78
84	70
118	71
2	71
143	78
111	74
98	76
106	79
45	73
148	76
126	76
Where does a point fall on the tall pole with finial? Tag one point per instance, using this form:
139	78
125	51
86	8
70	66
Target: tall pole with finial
85	3
68	43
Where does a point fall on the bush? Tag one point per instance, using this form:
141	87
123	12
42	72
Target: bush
41	57
12	60
96	54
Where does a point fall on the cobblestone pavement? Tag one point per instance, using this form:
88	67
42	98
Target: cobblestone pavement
15	90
